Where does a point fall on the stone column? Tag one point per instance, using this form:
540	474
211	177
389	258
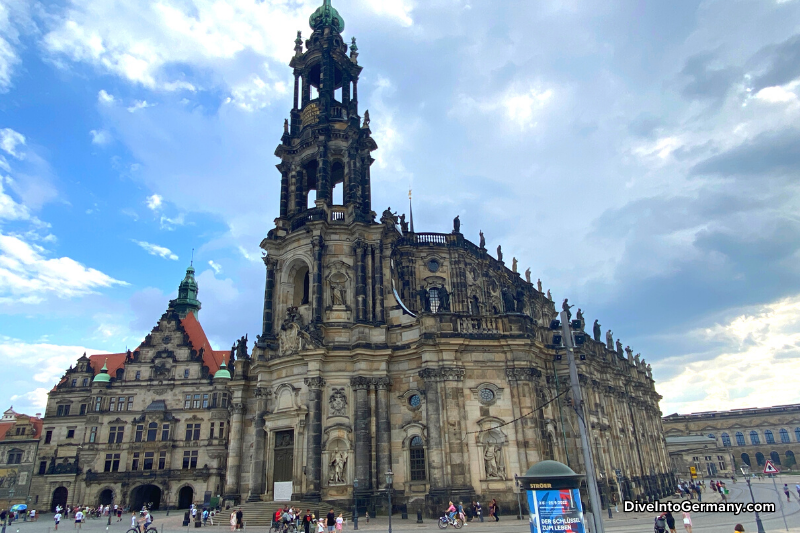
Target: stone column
269	290
431	376
452	407
379	312
363	452
384	429
234	453
323	171
284	205
358	248
296	92
299	202
314	433
370	275
318	246
257	466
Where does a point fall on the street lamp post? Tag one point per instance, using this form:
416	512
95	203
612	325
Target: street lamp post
519	505
746	473
389	480
355	504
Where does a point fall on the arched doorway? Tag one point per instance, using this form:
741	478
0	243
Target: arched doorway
185	497
149	495
760	459
106	497
59	498
746	459
775	457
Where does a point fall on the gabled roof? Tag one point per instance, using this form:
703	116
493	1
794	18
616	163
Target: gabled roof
211	358
36	422
115	362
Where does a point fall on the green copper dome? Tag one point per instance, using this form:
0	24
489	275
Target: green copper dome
223	372
326	15
103	376
187	301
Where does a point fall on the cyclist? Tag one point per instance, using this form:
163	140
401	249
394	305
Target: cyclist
451	512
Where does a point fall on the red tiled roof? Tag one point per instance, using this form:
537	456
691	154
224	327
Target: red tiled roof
37	426
5	426
211	358
115	362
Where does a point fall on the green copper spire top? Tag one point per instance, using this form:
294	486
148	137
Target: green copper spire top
326	15
223	372
187	295
103	376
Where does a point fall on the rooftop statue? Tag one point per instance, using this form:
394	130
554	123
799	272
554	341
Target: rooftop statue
514	265
596	331
456	225
528	275
482	240
499	253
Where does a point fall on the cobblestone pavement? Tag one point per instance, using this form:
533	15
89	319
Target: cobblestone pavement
622	522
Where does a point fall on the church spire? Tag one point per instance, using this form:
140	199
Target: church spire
187	301
326	15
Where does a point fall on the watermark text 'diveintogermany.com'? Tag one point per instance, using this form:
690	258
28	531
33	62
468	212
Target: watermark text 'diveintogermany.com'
636	506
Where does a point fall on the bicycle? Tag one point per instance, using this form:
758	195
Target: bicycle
151	528
278	527
445	521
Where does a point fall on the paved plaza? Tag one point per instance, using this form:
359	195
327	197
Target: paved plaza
621	522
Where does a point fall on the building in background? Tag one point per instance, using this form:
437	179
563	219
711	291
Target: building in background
736	437
19	440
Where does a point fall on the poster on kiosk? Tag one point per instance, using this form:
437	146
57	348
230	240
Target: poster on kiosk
556	511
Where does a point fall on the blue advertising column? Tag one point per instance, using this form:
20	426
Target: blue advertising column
554	500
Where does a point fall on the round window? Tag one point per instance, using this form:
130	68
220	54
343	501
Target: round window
414	400
487	395
433	265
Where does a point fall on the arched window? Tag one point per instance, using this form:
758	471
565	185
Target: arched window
301	285
416	456
152	429
726	439
746	459
754	437
760	459
784	436
790	460
769	437
775	457
712	436
474	306
433	296
797	434
740	439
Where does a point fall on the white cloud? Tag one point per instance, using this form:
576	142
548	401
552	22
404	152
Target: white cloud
104	98
217	268
9	140
154	202
139	104
100	137
399	10
26	276
520	105
154	249
36	398
760	358
170	223
14	15
9	208
777	95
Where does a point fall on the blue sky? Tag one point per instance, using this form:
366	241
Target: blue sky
641	158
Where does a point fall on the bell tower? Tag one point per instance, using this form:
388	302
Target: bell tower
324	143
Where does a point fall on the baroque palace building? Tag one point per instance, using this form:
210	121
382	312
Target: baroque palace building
19	440
718	443
382	349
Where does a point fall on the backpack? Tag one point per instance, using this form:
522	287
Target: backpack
661	523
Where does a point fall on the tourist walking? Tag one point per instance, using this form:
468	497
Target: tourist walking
239	516
307	521
339	522
786	491
478	510
738	528
687	522
495	509
670	521
57	518
78	519
233	521
330	521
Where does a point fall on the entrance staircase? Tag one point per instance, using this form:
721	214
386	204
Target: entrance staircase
259	514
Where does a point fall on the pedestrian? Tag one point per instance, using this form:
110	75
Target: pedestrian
320	526
670	521
239	516
699	493
460	510
495	510
330	521
339	523
57	518
615	501
738	528
205	517
78	519
32	514
797	487
786	491
233	520
307	521
366	515
687	522
478	510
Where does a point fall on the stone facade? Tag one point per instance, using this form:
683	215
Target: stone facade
381	349
739	436
19	440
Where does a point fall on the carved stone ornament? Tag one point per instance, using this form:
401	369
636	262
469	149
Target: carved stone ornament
338	403
338	468
315	382
522	374
293	337
360	382
445	373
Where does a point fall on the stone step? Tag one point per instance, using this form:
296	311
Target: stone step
261	513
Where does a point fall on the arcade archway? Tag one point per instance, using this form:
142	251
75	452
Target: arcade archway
149	495
185	497
106	497
59	498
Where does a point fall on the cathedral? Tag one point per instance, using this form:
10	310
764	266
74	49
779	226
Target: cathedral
382	350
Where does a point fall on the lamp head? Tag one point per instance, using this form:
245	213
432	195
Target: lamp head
389	477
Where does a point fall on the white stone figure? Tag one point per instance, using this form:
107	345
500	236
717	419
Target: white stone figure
337	467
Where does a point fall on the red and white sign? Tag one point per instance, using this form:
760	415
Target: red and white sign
769	468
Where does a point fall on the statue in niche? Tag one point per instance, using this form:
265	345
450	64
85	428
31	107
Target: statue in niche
609	340
337	467
508	301
596	331
528	275
493	461
444	299
338	403
499	253
424	299
456	225
289	339
519	300
338	293
482	240
514	265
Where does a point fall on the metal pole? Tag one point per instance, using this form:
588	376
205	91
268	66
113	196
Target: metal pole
759	525
519	504
355	504
389	492
561	415
577	403
780	502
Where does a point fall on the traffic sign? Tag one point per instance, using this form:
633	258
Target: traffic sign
769	468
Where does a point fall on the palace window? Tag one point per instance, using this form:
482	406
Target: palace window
754	437
135	462
722	465
14	457
739	438
726	440
211	433
711	436
98	403
224	403
186	373
162	460
62	410
130	403
152	431
70	433
138	375
112	462
433	296
416	456
121	403
85	382
139	433
190	459
205	401
165	432
196	401
187	402
75	382
93	434
797	434
770	438
148	460
115	434
192	431
48	436
784	436
83	409
112	404
42	467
